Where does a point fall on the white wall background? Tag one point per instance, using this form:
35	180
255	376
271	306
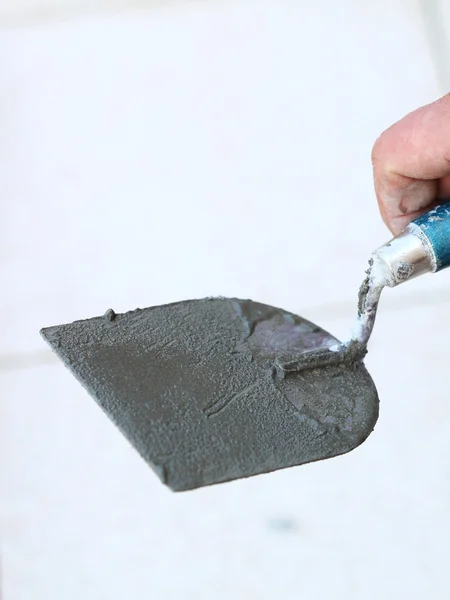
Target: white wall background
142	153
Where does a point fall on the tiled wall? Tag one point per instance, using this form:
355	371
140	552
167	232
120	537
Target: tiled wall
35	12
143	154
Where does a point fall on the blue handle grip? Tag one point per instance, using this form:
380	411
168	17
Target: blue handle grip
435	228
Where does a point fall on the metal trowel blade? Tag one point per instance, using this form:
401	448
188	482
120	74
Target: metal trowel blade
206	392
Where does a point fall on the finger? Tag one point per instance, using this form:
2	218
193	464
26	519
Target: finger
408	161
402	201
444	188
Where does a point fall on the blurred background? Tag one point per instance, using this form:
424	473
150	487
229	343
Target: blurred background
146	147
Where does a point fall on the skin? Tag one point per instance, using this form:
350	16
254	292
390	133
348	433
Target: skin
411	164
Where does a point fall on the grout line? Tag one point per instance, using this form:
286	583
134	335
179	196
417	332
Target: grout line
36	16
437	40
26	360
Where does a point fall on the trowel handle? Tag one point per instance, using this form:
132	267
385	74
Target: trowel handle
422	247
434	229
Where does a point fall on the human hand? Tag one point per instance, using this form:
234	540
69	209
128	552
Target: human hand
411	164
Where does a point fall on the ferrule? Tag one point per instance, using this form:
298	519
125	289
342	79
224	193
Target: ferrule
422	247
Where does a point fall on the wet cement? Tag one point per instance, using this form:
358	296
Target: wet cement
202	391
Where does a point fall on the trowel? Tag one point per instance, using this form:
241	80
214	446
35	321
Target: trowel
213	390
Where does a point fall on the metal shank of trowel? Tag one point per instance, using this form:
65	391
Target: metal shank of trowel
423	247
